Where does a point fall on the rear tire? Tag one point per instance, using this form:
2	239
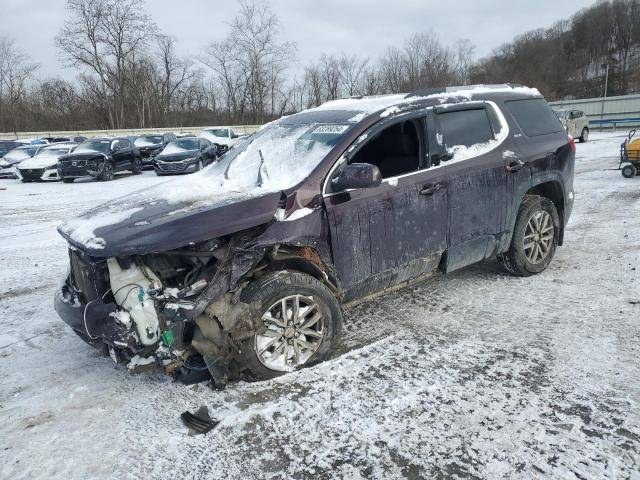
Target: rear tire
584	137
535	237
67	180
290	338
23	180
629	171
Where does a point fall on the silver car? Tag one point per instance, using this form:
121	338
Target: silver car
575	122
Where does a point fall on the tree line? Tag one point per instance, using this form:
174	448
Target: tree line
129	74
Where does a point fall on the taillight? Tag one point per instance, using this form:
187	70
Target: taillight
572	143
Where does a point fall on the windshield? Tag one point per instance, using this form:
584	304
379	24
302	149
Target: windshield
218	132
181	145
94	146
561	113
19	154
277	157
148	140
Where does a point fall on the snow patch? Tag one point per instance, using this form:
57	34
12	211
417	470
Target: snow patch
82	230
300	213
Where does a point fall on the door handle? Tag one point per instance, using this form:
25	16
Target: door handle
430	189
515	166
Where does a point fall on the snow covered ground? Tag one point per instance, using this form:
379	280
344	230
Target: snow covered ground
474	374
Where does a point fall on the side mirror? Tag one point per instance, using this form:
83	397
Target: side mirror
115	148
357	175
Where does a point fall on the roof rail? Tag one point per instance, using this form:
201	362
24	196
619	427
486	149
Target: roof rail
423	92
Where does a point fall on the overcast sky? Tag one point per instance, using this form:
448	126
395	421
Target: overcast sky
365	27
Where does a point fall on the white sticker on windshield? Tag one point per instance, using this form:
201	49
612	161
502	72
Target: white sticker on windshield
331	129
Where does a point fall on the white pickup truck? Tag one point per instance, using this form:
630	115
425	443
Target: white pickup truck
223	137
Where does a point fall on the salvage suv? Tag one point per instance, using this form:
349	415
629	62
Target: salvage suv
242	269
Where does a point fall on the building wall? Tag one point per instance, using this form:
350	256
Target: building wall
606	112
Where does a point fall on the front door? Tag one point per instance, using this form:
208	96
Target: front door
384	235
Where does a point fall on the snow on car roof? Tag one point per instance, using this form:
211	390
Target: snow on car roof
372	104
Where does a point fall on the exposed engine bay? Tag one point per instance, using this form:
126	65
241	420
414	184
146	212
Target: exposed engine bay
178	310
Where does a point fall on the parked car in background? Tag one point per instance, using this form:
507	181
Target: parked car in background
43	166
151	144
100	158
12	159
71	139
223	137
184	134
31	141
246	266
185	155
575	122
7	146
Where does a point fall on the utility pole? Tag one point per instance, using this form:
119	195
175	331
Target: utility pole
606	87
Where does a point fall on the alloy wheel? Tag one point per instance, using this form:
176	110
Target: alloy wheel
538	237
291	331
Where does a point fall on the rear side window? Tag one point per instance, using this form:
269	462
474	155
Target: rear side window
534	117
466	127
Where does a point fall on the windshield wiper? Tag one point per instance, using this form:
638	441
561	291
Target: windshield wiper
263	173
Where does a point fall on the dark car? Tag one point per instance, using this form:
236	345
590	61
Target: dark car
71	139
6	146
101	158
245	267
185	155
151	144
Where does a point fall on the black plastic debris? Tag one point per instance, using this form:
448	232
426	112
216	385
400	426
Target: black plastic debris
199	422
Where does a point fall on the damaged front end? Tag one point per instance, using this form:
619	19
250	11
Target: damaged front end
143	309
178	310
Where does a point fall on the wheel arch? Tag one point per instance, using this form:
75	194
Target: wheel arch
554	191
304	259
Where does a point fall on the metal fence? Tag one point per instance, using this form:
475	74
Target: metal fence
610	112
115	133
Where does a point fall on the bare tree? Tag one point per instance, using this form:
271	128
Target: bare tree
352	70
103	38
16	71
251	61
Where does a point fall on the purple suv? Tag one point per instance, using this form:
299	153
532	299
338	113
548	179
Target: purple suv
242	269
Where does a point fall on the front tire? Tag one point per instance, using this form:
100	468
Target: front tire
137	166
107	172
67	180
24	180
629	171
296	321
535	237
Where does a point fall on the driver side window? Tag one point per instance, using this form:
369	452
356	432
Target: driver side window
395	150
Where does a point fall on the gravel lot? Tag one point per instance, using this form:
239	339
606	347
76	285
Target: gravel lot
473	375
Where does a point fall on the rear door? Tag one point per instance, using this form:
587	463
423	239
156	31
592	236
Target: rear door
474	136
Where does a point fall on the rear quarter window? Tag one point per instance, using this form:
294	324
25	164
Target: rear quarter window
534	116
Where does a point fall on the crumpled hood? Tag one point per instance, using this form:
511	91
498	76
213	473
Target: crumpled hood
153	220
